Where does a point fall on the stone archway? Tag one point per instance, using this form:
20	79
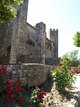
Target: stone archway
5	57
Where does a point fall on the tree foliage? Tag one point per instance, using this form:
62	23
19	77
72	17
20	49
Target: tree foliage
73	59
77	39
8	10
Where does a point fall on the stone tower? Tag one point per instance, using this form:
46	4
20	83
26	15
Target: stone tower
40	41
18	30
54	38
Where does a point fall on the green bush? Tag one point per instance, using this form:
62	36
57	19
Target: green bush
72	58
62	75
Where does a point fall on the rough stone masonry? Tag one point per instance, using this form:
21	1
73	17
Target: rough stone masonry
26	49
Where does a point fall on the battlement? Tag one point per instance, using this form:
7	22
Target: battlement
53	32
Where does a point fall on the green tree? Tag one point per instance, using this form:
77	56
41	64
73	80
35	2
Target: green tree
77	39
72	58
8	10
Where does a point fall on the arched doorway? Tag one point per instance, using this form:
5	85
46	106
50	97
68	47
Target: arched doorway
4	59
8	51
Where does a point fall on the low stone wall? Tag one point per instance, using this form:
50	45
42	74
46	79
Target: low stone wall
31	74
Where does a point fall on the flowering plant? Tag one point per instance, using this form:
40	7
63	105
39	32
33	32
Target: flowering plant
63	76
78	69
3	77
39	97
75	70
13	91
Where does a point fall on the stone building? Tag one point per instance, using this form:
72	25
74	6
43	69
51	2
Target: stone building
20	42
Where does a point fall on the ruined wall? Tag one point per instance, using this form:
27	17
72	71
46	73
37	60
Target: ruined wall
5	42
29	41
19	30
5	36
26	41
40	40
49	45
29	74
31	31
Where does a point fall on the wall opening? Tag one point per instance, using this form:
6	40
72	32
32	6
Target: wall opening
4	59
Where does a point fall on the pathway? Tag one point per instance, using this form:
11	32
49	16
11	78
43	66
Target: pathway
75	101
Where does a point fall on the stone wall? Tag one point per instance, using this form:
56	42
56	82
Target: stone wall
40	40
29	59
5	42
5	37
54	38
19	29
51	61
30	74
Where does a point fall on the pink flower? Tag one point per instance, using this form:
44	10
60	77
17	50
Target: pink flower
8	90
18	89
1	74
58	66
63	73
18	81
40	91
8	81
79	67
13	85
72	70
21	99
5	70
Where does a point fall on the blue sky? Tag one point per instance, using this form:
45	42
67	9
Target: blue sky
57	14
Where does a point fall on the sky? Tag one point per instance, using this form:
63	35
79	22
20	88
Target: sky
63	15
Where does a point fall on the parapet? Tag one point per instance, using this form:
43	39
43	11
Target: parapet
53	32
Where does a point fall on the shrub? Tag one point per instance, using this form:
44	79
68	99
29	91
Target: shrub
39	97
13	91
62	75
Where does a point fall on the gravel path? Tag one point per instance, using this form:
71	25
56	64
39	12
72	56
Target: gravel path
69	98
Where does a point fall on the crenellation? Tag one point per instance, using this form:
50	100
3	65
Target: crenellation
53	32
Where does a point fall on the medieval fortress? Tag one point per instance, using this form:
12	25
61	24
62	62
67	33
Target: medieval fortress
20	43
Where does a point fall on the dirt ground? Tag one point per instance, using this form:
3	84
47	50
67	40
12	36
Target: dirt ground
59	99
